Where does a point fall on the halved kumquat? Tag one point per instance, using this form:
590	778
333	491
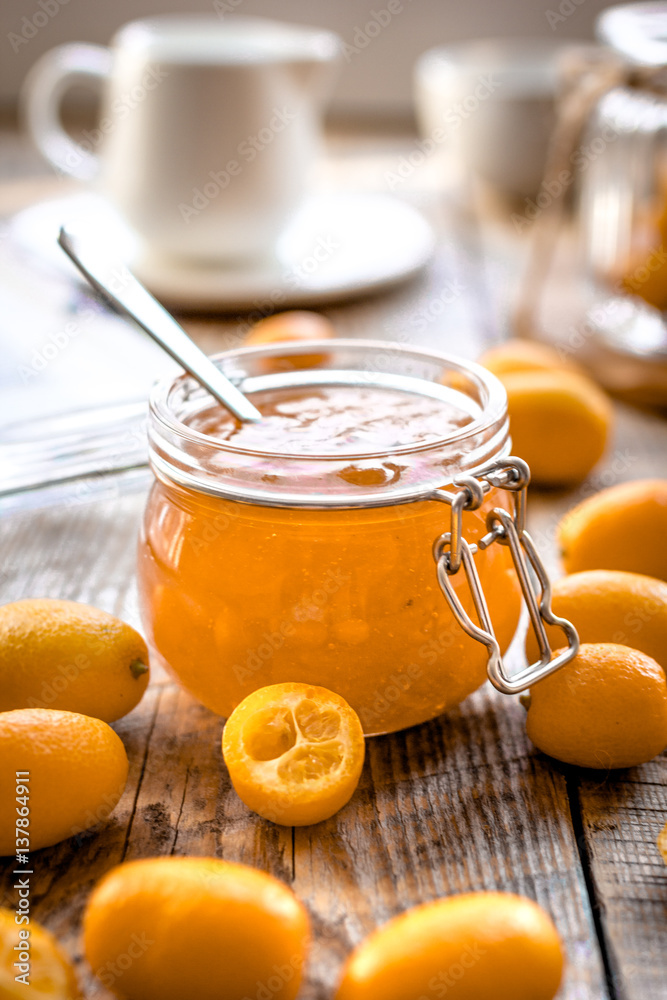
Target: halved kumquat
662	843
294	752
32	963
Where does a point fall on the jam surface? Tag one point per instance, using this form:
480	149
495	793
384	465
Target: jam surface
336	420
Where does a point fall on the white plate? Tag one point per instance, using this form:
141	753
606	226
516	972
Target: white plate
338	246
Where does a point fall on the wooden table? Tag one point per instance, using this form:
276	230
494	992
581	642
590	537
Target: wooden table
462	803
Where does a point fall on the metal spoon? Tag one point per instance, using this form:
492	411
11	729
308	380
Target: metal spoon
128	297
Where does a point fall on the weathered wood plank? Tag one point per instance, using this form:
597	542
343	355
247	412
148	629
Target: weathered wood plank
458	805
186	804
621	819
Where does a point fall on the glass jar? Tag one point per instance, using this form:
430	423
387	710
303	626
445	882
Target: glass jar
258	567
624	195
623	167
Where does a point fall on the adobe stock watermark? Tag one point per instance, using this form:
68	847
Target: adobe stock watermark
452	119
640	274
62	675
275	984
92	820
246	151
394	687
617	468
32	24
565	10
440	984
308	609
60	340
294	276
364	34
111	972
132	443
120	108
224	7
431	655
612	308
551	190
422	317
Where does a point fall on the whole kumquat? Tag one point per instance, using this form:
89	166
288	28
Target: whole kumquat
179	927
293	325
623	527
75	769
606	708
470	947
606	605
69	656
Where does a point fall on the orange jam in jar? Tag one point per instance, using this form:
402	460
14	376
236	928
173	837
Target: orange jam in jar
300	548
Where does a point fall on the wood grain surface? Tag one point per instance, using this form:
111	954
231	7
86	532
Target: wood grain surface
462	803
459	804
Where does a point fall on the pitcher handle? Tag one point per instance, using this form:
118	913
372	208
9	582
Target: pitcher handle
43	91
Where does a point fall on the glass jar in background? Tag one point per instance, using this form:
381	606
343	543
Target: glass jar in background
622	164
624	193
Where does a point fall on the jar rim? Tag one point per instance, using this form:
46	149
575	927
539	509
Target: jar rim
169	394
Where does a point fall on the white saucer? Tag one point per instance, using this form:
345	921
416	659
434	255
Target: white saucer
338	246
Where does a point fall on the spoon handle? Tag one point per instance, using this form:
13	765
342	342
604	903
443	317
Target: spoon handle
115	284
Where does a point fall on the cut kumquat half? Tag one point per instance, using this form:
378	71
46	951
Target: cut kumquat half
294	752
32	963
662	843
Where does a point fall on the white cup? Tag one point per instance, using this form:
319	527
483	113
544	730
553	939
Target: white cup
492	102
208	128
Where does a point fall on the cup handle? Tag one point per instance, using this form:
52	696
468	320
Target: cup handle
43	90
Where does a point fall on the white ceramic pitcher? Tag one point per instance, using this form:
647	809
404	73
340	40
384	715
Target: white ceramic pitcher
208	127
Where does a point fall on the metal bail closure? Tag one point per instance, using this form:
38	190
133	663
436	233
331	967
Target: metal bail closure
451	552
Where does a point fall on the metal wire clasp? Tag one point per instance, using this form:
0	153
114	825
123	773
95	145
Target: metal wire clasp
451	551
